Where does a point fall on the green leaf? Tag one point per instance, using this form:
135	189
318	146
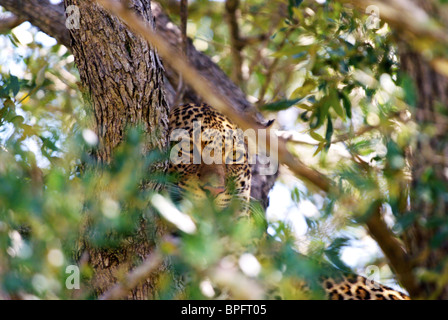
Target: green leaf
261	78
336	104
333	252
49	144
280	105
347	104
297	52
363	147
295	195
295	3
317	136
15	42
14	85
18	120
292	4
319	148
308	86
329	133
439	238
320	112
410	91
405	221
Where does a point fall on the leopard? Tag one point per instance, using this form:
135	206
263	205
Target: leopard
230	176
209	155
356	287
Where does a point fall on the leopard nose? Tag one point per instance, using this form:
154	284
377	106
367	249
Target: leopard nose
215	190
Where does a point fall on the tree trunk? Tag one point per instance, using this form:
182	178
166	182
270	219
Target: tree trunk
122	82
51	20
426	240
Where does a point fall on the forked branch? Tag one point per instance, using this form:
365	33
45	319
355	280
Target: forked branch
204	89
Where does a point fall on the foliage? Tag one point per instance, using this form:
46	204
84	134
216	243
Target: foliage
317	64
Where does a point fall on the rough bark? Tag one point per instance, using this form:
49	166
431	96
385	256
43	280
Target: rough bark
122	76
54	25
428	162
122	82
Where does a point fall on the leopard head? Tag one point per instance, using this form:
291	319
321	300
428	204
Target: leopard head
208	156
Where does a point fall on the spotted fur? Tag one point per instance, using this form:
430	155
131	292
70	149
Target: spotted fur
223	180
197	177
355	287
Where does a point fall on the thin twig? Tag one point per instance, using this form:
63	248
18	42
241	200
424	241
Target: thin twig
235	40
183	25
183	29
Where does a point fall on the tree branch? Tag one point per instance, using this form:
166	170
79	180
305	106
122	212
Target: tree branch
393	250
50	19
8	23
53	24
235	40
220	102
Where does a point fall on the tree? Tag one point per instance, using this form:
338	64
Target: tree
99	98
428	173
349	82
103	70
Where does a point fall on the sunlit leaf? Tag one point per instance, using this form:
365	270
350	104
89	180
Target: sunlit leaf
280	105
336	104
306	88
317	136
320	147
